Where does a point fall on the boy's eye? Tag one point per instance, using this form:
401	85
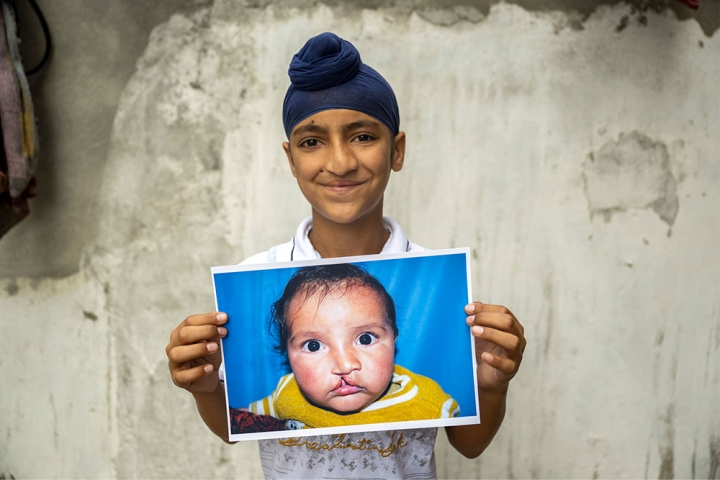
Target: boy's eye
364	138
309	143
312	346
366	339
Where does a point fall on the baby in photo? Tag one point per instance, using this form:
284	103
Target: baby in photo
336	325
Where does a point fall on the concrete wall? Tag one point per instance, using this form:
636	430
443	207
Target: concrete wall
576	150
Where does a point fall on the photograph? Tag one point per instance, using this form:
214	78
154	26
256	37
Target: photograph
349	344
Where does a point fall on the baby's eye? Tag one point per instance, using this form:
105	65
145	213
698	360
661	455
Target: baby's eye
366	339
312	346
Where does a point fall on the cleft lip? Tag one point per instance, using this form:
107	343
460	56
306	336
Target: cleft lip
346	386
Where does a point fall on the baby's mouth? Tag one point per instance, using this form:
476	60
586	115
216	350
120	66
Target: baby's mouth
346	387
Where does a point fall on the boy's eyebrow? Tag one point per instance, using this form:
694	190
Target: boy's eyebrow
361	124
315	128
309	128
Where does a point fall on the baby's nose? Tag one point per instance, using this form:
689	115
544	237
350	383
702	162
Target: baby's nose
346	362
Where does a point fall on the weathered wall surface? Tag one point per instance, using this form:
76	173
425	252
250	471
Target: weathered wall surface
576	153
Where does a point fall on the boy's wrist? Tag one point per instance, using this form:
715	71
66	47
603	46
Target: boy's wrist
197	395
500	394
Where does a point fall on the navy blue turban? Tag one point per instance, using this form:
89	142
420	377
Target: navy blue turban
327	73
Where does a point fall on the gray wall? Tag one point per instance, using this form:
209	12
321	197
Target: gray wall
576	150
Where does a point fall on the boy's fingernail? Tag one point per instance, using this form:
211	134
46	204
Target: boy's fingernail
211	346
222	331
478	330
470	319
221	317
208	368
470	308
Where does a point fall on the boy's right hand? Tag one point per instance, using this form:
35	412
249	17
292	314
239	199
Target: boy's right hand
194	352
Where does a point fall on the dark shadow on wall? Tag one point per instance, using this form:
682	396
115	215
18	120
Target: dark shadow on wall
96	45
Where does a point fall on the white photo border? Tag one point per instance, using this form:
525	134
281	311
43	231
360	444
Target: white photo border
365	259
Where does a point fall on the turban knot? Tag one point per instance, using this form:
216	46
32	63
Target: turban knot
328	73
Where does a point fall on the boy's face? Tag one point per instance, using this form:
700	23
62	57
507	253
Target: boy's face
341	349
342	161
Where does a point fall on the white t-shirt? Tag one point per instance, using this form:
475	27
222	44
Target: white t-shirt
389	454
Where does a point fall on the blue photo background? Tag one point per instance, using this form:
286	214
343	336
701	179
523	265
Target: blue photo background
434	340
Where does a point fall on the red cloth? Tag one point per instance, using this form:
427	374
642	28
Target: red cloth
694	4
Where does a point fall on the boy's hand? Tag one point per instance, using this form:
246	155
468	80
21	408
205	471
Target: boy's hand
499	345
194	352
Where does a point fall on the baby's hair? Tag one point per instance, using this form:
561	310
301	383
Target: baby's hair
307	281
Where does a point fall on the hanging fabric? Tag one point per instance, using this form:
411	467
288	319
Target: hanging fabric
17	122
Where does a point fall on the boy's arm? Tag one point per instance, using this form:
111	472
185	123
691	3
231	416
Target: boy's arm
193	359
499	345
213	411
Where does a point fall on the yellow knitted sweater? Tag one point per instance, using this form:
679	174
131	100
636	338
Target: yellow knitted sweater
415	397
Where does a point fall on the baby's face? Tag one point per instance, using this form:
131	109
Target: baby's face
341	349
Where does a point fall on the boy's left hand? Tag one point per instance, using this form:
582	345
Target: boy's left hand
499	345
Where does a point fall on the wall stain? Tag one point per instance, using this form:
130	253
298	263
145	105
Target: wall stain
624	22
12	288
90	315
714	456
667	451
55	421
548	295
694	459
631	173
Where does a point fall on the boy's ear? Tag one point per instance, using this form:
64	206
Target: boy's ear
288	153
398	153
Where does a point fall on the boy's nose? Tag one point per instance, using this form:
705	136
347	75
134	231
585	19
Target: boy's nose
345	362
342	161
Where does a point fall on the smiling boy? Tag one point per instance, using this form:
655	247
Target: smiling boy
342	122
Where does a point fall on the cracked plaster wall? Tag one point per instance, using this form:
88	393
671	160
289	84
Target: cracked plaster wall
580	164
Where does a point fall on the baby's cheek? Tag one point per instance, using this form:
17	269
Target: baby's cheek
384	365
306	377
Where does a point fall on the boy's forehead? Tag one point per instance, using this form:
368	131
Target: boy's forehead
337	119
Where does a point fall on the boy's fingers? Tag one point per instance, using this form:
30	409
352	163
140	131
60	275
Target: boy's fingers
505	365
477	307
511	343
183	377
185	353
210	318
498	320
190	335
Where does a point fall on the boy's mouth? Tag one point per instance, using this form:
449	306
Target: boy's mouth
342	186
346	387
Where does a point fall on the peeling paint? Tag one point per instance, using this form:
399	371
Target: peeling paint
632	172
449	12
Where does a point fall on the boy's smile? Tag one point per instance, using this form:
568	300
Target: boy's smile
342	161
341	348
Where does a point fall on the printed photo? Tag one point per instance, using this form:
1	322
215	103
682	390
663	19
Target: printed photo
346	345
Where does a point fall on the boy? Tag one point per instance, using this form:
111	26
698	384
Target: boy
336	324
342	123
